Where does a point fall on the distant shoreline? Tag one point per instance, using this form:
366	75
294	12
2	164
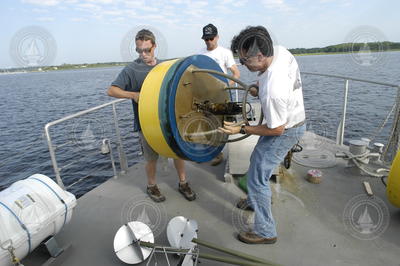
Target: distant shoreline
328	53
122	64
61	67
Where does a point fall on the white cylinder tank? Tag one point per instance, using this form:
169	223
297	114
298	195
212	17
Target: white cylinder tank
32	210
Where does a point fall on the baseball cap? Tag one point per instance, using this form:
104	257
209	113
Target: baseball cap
209	31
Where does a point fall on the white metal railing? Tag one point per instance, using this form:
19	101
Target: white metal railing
341	126
52	148
121	152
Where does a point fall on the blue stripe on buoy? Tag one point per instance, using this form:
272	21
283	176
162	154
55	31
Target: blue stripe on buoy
163	110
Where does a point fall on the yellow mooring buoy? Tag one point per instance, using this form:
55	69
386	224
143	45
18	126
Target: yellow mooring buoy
180	109
393	182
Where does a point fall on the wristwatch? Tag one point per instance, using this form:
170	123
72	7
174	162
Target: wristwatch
243	130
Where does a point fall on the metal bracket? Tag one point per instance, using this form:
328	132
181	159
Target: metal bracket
52	247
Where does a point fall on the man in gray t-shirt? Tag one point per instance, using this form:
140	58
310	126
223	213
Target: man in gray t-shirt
128	85
130	79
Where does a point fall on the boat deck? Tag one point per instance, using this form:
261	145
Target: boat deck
309	217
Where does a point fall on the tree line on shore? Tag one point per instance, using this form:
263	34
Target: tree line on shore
350	47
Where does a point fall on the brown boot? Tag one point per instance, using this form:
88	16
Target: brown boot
186	191
252	238
243	205
155	193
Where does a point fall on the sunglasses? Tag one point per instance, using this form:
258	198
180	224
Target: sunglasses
145	50
209	39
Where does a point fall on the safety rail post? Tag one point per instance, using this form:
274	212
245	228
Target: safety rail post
53	157
108	143
340	130
121	152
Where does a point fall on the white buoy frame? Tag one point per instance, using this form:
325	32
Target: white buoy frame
181	231
126	242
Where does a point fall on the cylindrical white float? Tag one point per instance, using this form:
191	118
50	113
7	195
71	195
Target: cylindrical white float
32	210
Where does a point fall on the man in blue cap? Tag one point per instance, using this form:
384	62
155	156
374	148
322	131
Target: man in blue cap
224	59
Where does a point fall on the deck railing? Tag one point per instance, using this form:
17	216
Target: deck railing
120	148
341	126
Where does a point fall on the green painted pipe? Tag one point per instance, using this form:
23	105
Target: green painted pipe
249	260
204	255
232	252
151	245
230	260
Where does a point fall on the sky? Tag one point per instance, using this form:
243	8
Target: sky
88	31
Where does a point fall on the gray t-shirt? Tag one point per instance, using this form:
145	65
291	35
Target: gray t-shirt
131	79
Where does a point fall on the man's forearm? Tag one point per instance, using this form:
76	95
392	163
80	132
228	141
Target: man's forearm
263	130
235	73
116	92
231	128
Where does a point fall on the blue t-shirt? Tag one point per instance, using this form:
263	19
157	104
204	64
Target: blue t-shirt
131	79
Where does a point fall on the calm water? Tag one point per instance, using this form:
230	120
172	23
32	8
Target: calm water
30	100
368	104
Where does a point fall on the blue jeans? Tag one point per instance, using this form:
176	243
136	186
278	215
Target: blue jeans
267	155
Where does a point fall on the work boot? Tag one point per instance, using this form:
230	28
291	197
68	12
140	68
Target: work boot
155	193
218	159
244	205
186	191
252	238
